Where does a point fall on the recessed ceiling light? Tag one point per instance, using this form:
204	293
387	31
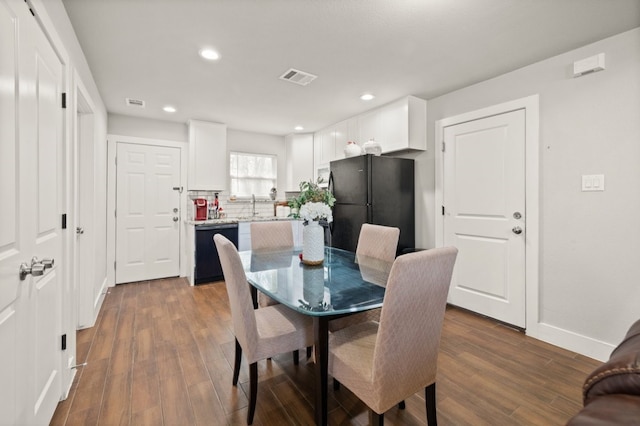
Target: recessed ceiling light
367	97
209	54
169	108
298	128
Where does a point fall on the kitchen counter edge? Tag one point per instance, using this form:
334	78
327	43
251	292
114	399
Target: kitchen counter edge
237	220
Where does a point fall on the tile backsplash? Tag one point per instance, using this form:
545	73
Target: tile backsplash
242	208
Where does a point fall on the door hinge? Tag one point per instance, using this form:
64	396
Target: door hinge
442	146
64	100
442	210
64	221
63	342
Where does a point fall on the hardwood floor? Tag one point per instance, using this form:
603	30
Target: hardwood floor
161	353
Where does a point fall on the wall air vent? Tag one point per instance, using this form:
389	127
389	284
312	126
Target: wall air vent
298	77
134	103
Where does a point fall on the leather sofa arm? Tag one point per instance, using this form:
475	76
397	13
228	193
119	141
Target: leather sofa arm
619	375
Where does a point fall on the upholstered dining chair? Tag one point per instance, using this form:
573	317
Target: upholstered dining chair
272	234
378	242
259	333
384	363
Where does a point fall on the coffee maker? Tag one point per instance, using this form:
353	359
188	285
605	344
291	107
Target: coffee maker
200	209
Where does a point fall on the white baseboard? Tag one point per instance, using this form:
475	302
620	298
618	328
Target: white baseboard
574	342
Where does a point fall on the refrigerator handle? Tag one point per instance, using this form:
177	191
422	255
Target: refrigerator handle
330	184
330	188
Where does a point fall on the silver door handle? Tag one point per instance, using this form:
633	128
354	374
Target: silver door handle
175	218
24	270
36	269
79	230
47	263
517	230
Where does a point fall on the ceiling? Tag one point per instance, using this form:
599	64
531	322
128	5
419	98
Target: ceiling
148	50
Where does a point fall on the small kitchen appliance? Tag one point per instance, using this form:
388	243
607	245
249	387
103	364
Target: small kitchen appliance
200	208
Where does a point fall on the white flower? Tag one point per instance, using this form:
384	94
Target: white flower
316	211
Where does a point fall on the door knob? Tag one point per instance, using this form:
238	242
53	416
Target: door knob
47	263
24	271
35	269
175	210
175	218
517	230
517	215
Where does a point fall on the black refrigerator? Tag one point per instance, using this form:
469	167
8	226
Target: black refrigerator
372	189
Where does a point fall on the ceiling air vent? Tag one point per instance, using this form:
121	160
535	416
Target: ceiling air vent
298	77
134	103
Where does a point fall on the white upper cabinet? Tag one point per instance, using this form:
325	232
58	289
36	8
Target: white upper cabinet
323	146
299	164
345	131
208	158
402	125
398	126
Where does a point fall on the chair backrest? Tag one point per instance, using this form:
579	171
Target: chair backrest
408	340
378	241
271	235
242	314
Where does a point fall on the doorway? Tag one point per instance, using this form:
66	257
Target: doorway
487	198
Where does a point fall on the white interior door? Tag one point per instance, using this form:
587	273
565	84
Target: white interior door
484	201
31	185
147	212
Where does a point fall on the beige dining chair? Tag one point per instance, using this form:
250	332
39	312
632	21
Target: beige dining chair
378	242
384	363
259	333
272	234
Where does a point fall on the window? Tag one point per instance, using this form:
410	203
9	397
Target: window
252	174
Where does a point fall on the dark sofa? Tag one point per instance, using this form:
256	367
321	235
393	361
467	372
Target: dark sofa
611	393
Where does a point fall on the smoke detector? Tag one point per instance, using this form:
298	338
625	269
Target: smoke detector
134	102
298	77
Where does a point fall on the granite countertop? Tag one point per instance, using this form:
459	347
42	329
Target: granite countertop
237	220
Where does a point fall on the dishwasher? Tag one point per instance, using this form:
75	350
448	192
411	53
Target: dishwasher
208	266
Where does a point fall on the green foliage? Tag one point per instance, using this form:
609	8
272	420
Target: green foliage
311	192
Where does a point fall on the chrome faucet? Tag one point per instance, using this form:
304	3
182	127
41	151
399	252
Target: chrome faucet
253	204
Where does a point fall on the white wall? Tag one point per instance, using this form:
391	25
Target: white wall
259	143
147	128
589	274
237	140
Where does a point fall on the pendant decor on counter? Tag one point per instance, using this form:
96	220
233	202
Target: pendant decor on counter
352	149
372	147
313	243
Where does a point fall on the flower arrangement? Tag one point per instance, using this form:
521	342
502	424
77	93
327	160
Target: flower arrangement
315	211
313	203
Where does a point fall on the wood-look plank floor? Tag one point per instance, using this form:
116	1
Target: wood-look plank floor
161	353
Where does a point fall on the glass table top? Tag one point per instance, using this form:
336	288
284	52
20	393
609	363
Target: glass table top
342	284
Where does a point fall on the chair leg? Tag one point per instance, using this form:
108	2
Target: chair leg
430	398
336	384
296	357
236	364
309	351
253	391
402	405
377	419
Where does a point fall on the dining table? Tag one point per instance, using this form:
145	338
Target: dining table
342	285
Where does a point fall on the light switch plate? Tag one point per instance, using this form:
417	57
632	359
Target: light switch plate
592	183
